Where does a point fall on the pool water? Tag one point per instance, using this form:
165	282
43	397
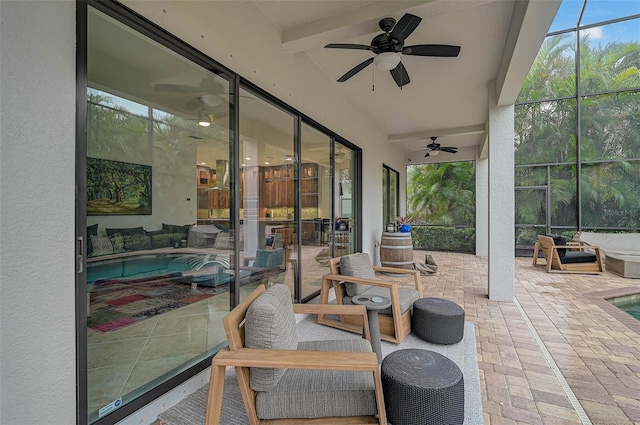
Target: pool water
137	266
630	304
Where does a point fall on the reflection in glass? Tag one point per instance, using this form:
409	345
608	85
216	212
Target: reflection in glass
268	178
315	197
342	241
156	293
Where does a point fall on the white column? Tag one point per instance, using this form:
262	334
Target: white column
482	207
501	200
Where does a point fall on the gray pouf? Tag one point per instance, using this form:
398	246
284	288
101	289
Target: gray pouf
422	387
438	320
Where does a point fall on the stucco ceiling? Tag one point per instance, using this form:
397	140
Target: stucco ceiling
447	97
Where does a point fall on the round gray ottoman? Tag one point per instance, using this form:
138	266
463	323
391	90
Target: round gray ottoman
422	387
438	320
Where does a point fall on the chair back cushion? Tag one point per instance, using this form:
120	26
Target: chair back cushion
559	240
357	265
270	323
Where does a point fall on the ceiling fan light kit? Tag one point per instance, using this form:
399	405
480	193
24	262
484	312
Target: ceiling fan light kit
386	61
436	148
389	47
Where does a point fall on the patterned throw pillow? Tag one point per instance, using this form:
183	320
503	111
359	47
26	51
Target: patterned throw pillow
101	246
136	242
117	240
357	265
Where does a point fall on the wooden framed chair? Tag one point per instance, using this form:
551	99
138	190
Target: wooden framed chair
287	382
353	275
568	258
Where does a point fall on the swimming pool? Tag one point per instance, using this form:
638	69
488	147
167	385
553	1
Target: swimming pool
137	266
630	304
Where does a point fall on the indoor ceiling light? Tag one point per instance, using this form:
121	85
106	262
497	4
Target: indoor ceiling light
204	119
387	61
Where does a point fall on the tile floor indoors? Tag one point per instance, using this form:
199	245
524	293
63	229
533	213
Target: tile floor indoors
559	354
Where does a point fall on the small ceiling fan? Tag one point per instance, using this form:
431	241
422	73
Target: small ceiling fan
206	112
389	48
436	148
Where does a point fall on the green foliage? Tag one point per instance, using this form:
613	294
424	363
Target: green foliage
546	123
442	194
440	238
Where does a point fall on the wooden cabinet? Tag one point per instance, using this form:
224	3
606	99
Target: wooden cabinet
309	185
279	186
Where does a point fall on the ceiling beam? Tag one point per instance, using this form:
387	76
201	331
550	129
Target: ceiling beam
530	22
472	129
363	21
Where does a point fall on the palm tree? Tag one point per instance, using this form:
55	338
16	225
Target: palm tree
442	194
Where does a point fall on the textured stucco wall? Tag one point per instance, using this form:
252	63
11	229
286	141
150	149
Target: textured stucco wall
482	207
37	194
501	200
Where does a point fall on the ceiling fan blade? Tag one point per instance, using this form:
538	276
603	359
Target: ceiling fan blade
405	26
347	46
449	149
177	88
440	50
400	75
353	71
426	154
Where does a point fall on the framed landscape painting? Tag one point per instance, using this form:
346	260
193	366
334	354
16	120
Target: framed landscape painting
118	188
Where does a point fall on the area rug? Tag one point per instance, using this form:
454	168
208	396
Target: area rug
191	411
115	304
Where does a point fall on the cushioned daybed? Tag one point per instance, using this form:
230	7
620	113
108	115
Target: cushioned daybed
621	251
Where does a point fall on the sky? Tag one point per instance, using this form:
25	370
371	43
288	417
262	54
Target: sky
599	11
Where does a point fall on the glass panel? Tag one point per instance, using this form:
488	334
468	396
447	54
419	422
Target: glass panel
385	193
538	142
552	74
342	241
567	15
315	195
611	194
267	208
609	57
156	297
604	10
564	196
393	194
609	125
531	176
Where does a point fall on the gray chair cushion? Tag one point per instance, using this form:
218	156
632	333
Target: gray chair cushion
321	393
407	297
270	323
357	265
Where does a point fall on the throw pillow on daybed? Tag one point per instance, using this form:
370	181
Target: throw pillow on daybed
101	246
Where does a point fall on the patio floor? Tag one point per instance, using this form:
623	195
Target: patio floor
594	348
